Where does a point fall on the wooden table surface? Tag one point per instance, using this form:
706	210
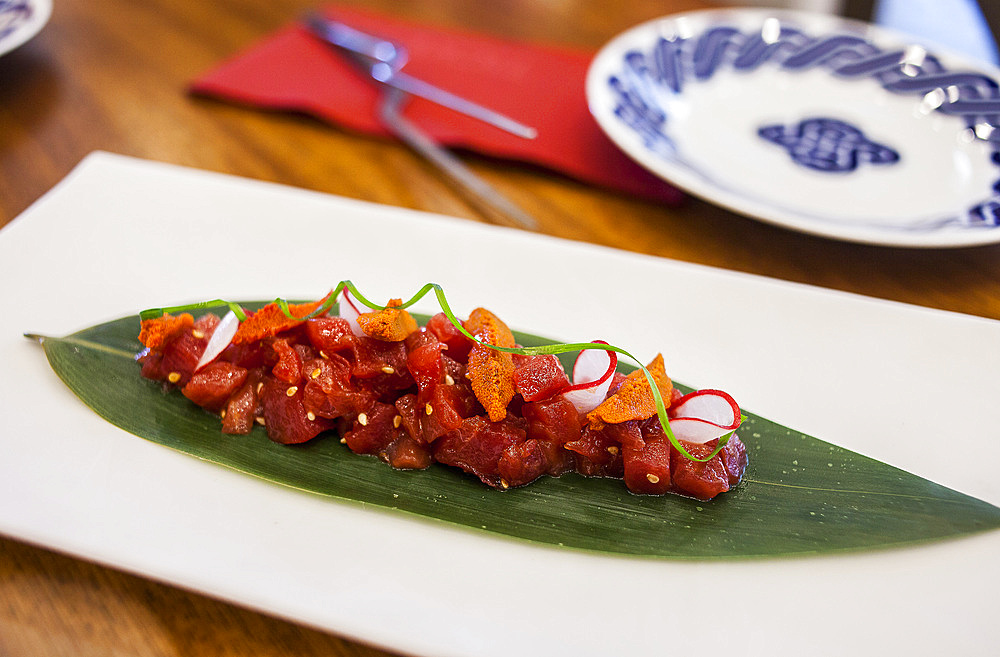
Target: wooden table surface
111	75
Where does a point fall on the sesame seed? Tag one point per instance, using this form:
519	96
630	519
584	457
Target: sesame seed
174	377
322	354
291	391
197	334
260	386
260	420
222	414
396	421
315	373
428	409
311	416
449	380
504	484
612	449
389	369
343	441
363	420
653	479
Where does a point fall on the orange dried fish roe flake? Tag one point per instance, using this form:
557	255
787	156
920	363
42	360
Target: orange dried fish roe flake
634	398
271	320
391	324
492	328
491	372
155	333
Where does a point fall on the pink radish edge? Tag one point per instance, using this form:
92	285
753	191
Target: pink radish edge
704	415
588	391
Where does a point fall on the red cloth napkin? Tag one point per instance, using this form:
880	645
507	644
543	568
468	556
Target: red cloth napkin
542	87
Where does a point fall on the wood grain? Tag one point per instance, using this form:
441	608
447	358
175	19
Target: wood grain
112	75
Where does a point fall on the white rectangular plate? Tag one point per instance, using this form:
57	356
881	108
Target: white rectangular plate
913	387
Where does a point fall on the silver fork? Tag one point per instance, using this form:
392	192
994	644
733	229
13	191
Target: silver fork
381	60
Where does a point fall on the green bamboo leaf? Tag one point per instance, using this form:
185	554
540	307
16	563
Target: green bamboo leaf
799	496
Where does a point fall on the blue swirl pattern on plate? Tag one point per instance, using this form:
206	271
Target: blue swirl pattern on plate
671	64
13	14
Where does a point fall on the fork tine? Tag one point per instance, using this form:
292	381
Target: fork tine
382	60
476	189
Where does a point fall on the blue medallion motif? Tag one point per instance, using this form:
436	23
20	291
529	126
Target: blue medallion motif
828	145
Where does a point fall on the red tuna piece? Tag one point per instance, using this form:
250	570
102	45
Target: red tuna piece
374	357
289	365
734	456
598	454
243	407
329	335
522	463
372	432
647	461
700	479
477	445
539	377
426	367
554	419
381	367
446	411
285	414
409	417
459	346
182	353
251	355
406	453
212	386
329	391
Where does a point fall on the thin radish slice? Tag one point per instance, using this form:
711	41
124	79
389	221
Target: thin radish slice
594	366
592	376
587	399
350	312
221	337
704	415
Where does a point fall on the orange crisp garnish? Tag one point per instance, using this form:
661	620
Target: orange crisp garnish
634	399
157	332
492	327
271	320
491	372
391	324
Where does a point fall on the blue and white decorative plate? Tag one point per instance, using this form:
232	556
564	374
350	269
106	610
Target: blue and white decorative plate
20	20
810	122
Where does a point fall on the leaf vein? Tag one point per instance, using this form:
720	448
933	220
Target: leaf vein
859	492
96	346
